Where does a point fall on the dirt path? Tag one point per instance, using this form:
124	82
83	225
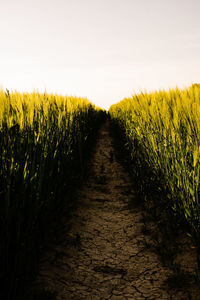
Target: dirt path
105	253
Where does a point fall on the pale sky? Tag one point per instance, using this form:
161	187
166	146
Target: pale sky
102	49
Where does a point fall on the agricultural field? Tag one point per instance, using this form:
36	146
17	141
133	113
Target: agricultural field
161	132
48	144
44	144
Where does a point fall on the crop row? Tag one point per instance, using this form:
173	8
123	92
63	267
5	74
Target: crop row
44	141
162	134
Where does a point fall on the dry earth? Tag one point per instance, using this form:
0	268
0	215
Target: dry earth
102	252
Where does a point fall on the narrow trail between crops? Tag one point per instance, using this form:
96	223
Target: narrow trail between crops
101	252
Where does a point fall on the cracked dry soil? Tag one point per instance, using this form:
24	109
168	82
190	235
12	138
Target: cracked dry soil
101	252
